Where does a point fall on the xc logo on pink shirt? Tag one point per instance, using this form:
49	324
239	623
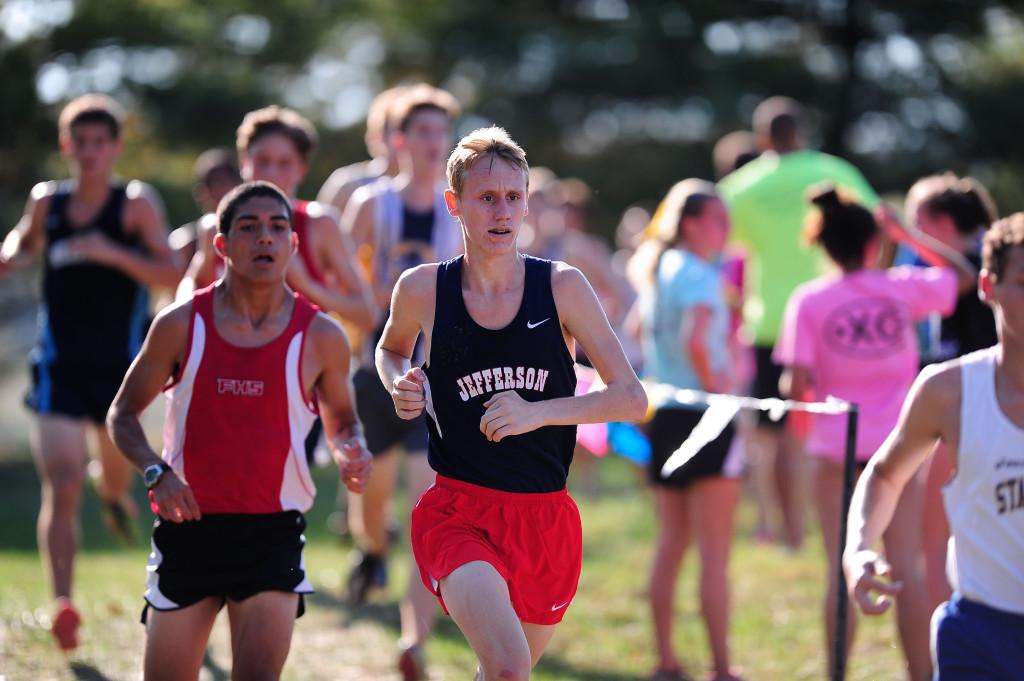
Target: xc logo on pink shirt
867	328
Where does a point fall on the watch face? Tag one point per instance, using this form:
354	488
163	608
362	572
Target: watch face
152	474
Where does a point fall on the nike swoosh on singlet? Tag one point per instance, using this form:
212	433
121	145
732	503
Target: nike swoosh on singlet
531	325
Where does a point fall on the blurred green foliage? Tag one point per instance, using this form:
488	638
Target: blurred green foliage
627	96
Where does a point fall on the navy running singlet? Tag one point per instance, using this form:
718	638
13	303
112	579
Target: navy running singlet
92	315
469	363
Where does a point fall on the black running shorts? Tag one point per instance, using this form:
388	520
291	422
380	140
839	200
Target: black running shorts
226	556
381	425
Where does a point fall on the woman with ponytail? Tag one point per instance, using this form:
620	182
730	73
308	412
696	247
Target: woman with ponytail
851	334
685	321
956	211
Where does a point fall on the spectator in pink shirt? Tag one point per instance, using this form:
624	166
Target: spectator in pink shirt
850	334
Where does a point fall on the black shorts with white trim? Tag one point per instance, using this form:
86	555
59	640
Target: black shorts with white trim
228	557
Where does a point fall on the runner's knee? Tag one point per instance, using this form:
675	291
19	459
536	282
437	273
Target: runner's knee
507	665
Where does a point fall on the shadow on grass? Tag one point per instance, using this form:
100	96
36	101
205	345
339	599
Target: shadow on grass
383	613
86	672
559	668
217	673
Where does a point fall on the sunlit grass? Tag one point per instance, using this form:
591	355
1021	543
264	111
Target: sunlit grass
605	636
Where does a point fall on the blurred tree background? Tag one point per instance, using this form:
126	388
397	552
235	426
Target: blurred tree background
629	96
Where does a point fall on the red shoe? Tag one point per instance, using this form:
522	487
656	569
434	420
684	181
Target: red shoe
65	625
411	664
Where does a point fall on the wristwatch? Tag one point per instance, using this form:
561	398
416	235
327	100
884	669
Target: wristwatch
152	474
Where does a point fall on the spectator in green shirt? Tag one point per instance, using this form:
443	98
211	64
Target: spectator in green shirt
766	199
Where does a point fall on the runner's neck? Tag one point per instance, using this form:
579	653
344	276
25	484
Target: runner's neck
256	302
493	274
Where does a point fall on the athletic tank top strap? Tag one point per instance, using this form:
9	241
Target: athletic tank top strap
202	304
449	282
58	204
985	499
388	221
107	220
979	407
469	363
302	315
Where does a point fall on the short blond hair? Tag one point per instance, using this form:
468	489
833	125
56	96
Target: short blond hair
493	142
92	108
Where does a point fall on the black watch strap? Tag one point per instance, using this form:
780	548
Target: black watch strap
153	474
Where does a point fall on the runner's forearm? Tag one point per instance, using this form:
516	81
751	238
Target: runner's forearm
616	402
872	508
126	431
352	307
391	366
146	270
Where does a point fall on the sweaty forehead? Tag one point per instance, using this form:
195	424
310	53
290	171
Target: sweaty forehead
273	143
429	116
261	204
494	172
91	129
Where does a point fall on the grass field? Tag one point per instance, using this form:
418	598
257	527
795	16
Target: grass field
776	632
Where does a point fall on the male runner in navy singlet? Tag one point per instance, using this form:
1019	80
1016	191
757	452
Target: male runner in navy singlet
103	242
497	538
246	365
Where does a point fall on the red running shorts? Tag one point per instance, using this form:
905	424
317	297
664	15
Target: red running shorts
534	541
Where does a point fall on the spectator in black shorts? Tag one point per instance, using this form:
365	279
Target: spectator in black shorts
686	324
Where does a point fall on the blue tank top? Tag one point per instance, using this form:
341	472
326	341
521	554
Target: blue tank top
93	316
468	364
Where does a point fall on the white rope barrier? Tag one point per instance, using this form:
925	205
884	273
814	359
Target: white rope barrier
721	409
773	405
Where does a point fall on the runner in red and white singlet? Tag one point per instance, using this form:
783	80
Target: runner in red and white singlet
262	417
246	366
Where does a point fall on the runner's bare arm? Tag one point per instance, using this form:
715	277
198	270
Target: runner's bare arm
931	250
795	381
202	269
353	299
334	392
412	312
339	187
357	220
358	223
693	334
25	241
623	397
934	394
159	359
